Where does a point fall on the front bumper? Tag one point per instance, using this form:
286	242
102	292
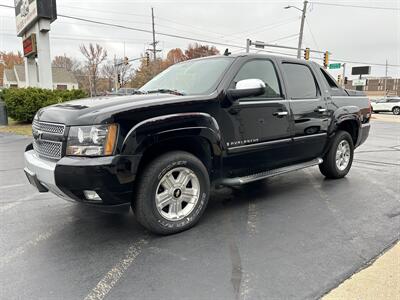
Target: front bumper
40	174
111	177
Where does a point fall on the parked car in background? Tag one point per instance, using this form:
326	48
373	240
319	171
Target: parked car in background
390	104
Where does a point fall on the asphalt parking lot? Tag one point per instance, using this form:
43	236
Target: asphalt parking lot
290	237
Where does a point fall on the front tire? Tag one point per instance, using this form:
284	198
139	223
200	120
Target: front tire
172	193
396	110
338	160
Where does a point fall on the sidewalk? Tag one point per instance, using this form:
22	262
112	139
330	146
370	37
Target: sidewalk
379	281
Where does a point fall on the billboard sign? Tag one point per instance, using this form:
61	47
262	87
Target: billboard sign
27	12
361	70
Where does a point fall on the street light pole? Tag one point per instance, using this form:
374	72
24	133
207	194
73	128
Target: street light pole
303	18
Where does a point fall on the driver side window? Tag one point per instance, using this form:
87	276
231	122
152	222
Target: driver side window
263	70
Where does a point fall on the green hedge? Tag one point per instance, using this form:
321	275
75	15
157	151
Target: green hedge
22	104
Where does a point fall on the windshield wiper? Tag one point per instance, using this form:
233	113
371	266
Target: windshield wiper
166	91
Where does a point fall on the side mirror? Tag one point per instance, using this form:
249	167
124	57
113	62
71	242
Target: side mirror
247	88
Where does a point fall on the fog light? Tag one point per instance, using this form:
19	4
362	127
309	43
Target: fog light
92	196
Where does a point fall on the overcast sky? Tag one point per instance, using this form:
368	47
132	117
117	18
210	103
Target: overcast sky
355	34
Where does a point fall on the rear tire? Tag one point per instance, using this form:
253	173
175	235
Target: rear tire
172	193
396	110
338	160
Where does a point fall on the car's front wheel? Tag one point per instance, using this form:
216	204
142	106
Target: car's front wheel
338	160
396	110
172	193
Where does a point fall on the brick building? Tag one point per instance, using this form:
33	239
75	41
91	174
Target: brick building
375	87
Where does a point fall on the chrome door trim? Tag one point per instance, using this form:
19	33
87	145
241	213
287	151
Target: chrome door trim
257	145
309	136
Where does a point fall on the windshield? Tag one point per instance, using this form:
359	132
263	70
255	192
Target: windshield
191	77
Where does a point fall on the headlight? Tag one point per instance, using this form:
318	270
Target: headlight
96	140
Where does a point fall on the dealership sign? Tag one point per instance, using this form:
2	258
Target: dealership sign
30	47
359	82
27	12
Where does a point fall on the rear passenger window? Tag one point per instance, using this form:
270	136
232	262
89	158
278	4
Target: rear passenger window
329	79
263	70
300	81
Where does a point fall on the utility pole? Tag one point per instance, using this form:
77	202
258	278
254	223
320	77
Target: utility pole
344	75
248	43
115	74
154	36
386	75
303	18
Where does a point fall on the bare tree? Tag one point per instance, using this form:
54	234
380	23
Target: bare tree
109	70
95	55
69	63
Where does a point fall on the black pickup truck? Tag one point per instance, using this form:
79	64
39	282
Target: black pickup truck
210	122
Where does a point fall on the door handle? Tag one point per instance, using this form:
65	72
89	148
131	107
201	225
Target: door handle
280	114
321	110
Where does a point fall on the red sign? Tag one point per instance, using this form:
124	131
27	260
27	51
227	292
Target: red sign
29	44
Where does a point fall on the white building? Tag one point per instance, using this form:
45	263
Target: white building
62	79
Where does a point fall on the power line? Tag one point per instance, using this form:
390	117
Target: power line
356	6
200	40
284	38
312	35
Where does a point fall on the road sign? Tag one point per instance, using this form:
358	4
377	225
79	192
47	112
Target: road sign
359	82
335	66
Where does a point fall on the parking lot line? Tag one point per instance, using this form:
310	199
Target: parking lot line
6	258
111	278
11	186
8	206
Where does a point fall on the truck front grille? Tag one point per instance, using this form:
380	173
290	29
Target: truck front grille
48	138
57	129
48	149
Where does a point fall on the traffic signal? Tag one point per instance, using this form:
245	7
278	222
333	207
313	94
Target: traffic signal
307	54
126	61
345	80
119	78
326	59
339	79
147	58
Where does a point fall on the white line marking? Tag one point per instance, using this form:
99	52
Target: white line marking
252	219
245	288
111	278
17	202
5	259
12	186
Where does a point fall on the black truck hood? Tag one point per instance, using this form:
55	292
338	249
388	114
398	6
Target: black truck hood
101	109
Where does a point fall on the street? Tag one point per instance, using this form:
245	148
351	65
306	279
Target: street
295	236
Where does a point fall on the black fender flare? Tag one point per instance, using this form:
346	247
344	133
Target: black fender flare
192	124
345	113
342	114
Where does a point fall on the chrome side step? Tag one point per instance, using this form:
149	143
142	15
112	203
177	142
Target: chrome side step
254	177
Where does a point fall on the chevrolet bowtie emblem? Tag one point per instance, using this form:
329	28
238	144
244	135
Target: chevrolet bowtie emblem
37	134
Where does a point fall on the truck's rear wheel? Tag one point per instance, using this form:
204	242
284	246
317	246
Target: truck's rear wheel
172	193
338	160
